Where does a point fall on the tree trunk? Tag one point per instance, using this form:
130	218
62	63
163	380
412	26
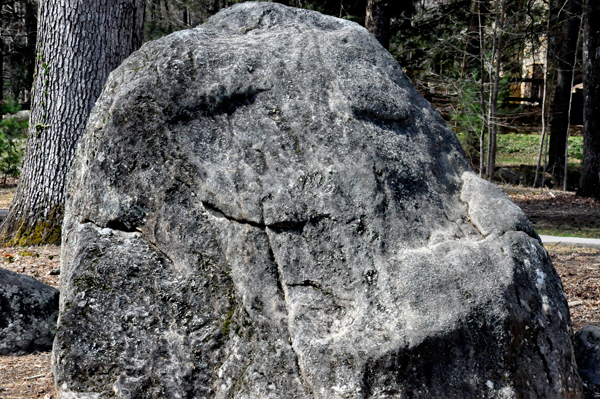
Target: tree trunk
482	95
590	173
493	106
472	57
559	124
543	141
378	22
79	43
31	34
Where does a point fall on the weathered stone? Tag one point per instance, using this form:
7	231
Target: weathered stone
29	309
586	344
264	207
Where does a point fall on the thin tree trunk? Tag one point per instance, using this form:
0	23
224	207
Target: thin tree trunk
31	32
186	16
590	176
544	101
482	94
566	156
493	105
560	107
79	43
473	45
378	22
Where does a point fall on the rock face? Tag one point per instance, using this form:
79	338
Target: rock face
264	207
28	313
587	353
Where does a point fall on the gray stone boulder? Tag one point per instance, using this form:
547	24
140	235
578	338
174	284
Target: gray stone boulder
28	313
264	207
586	344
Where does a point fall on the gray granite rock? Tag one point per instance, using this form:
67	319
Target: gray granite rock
586	344
28	313
264	207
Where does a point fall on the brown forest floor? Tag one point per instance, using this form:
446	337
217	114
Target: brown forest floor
579	268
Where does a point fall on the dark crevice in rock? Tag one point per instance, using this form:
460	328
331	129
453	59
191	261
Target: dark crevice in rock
119	226
313	284
381	120
276	270
160	251
287	226
280	287
277	227
214	105
220	214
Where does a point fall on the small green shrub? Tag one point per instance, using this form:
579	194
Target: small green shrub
13	133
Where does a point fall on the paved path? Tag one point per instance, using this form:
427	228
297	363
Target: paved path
587	242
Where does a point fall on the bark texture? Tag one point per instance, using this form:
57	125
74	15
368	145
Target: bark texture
565	56
590	174
79	43
378	22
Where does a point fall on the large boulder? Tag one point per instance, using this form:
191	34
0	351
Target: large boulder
264	207
28	313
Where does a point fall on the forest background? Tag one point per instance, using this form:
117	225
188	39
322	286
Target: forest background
505	74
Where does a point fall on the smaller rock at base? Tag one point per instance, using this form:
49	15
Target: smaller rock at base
28	314
586	345
507	176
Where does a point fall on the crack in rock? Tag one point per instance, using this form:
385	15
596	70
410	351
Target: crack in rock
283	287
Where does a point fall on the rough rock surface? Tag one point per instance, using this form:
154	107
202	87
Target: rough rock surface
28	313
264	207
587	353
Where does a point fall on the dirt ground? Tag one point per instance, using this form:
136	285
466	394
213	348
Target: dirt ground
559	213
7	192
579	268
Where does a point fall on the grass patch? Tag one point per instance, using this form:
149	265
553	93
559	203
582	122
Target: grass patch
522	149
586	232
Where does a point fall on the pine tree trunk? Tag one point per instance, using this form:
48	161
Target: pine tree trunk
559	124
378	22
31	33
590	174
79	43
